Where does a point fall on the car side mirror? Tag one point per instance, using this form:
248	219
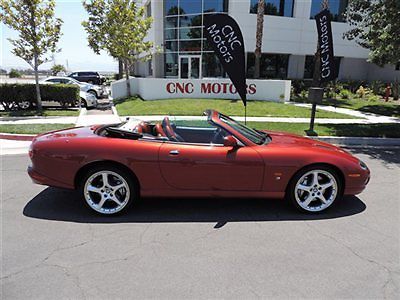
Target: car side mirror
230	141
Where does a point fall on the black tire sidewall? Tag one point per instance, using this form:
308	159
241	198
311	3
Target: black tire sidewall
290	191
131	183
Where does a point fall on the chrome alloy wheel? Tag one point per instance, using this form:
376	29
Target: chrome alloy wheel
106	192
316	190
24	104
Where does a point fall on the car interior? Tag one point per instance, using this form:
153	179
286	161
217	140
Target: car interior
185	134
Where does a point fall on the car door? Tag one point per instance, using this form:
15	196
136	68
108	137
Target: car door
210	167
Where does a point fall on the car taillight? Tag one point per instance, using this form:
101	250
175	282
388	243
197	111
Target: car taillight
30	152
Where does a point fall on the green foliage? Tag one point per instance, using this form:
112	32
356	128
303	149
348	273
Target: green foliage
196	107
38	32
32	128
345	94
375	25
57	69
14	74
378	87
15	93
118	27
395	90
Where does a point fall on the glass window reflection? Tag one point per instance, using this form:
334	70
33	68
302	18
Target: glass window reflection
274	7
336	7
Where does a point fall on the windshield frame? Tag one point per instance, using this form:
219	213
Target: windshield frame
246	135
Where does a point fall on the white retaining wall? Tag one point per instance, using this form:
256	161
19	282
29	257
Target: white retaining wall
215	88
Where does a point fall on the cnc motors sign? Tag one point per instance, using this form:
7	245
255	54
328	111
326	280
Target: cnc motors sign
325	42
206	88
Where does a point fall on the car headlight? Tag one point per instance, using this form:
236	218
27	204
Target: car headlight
363	165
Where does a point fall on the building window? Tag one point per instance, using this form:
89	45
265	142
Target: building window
397	67
272	66
183	34
336	7
274	7
148	9
309	66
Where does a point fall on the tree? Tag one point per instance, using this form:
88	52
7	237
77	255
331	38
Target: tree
38	29
259	37
119	27
57	69
376	26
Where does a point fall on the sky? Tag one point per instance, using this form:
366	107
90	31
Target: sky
73	43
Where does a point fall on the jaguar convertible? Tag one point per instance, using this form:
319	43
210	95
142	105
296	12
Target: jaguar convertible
113	165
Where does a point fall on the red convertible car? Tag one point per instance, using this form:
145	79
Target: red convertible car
112	165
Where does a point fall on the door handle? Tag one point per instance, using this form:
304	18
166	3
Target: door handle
174	152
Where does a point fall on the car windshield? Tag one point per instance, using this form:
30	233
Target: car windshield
256	137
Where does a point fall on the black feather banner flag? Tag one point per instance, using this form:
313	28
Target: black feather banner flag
226	39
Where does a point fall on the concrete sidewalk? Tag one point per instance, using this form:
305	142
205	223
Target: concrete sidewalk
370	117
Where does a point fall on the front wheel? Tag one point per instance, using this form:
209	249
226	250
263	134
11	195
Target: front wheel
314	189
108	190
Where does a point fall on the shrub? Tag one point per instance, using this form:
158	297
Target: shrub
361	92
300	85
395	90
378	87
345	94
14	74
15	93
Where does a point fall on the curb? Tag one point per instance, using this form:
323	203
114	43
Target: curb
82	113
113	109
17	137
358	141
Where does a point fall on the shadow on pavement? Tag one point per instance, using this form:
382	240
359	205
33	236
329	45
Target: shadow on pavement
64	205
386	155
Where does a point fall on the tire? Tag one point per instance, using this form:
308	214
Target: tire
24	105
115	196
314	189
93	93
84	103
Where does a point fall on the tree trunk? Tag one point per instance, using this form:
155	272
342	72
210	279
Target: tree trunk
317	66
128	84
38	97
259	36
120	69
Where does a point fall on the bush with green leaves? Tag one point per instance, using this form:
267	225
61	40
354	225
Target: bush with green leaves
345	94
11	94
14	74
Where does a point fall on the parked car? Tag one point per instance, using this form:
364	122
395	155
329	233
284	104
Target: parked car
96	90
88	76
113	165
88	100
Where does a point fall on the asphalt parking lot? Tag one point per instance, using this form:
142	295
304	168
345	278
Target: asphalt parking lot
54	248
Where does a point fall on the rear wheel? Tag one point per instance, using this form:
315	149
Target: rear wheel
108	190
314	189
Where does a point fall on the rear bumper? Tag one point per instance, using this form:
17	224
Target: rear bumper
44	180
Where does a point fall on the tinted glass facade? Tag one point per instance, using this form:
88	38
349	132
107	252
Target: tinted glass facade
183	34
336	7
309	66
274	7
272	66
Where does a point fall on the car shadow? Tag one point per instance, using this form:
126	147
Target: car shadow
65	205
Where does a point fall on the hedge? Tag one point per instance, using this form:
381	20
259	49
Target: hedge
15	93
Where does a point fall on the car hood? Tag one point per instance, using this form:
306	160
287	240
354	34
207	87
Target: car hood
293	140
